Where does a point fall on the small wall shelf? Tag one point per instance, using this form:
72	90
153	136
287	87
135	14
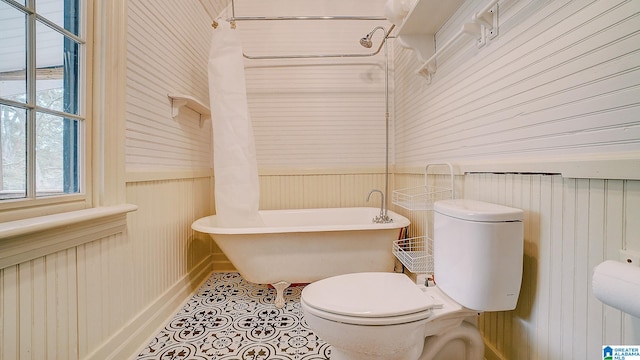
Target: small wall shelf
178	101
429	66
418	29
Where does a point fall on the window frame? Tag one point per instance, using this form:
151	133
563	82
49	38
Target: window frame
54	227
32	206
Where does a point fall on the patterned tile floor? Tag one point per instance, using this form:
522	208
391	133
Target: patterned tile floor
230	318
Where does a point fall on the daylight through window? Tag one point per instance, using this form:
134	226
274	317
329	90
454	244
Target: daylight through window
41	107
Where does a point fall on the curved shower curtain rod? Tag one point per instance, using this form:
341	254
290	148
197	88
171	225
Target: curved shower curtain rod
317	56
233	19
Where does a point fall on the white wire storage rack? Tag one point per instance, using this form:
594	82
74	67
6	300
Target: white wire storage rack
416	253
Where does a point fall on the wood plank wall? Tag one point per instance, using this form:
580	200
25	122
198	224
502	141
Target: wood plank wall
318	191
167	52
103	299
560	80
314	113
571	225
585	52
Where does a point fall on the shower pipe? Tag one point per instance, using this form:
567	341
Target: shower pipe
273	18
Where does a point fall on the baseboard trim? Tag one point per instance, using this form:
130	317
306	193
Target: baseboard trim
223	266
133	176
131	338
623	166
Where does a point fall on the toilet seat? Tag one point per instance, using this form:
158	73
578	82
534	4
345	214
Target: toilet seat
368	299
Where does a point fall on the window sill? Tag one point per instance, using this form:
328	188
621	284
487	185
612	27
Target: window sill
24	240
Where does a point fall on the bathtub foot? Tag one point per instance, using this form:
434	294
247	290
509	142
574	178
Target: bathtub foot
280	287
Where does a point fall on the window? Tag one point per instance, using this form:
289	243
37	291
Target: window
42	101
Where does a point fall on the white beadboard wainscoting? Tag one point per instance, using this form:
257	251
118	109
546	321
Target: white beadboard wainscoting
320	190
110	287
103	299
559	80
571	225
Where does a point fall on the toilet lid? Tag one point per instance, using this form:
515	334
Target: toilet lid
371	295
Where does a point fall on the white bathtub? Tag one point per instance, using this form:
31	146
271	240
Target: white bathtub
305	245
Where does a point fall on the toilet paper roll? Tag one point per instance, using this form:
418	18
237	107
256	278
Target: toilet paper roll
618	285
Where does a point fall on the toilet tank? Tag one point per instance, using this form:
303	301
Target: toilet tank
478	253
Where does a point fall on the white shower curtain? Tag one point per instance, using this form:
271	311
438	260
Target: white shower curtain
237	190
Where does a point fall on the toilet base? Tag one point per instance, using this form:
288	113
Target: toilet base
462	342
337	354
405	344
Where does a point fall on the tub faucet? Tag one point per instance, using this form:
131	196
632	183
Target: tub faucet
383	218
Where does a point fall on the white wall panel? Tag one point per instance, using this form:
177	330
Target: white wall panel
324	130
104	298
561	79
306	113
571	225
168	46
319	190
314	113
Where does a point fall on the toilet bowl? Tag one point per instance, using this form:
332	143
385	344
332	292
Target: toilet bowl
385	316
478	256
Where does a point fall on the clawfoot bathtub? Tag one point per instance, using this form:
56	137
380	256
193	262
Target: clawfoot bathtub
306	245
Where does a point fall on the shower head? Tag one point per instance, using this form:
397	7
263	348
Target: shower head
366	40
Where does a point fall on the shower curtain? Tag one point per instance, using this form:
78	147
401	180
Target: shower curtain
237	192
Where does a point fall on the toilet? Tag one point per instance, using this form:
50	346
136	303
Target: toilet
478	254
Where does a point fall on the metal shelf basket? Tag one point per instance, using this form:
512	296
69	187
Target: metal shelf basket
422	197
416	254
